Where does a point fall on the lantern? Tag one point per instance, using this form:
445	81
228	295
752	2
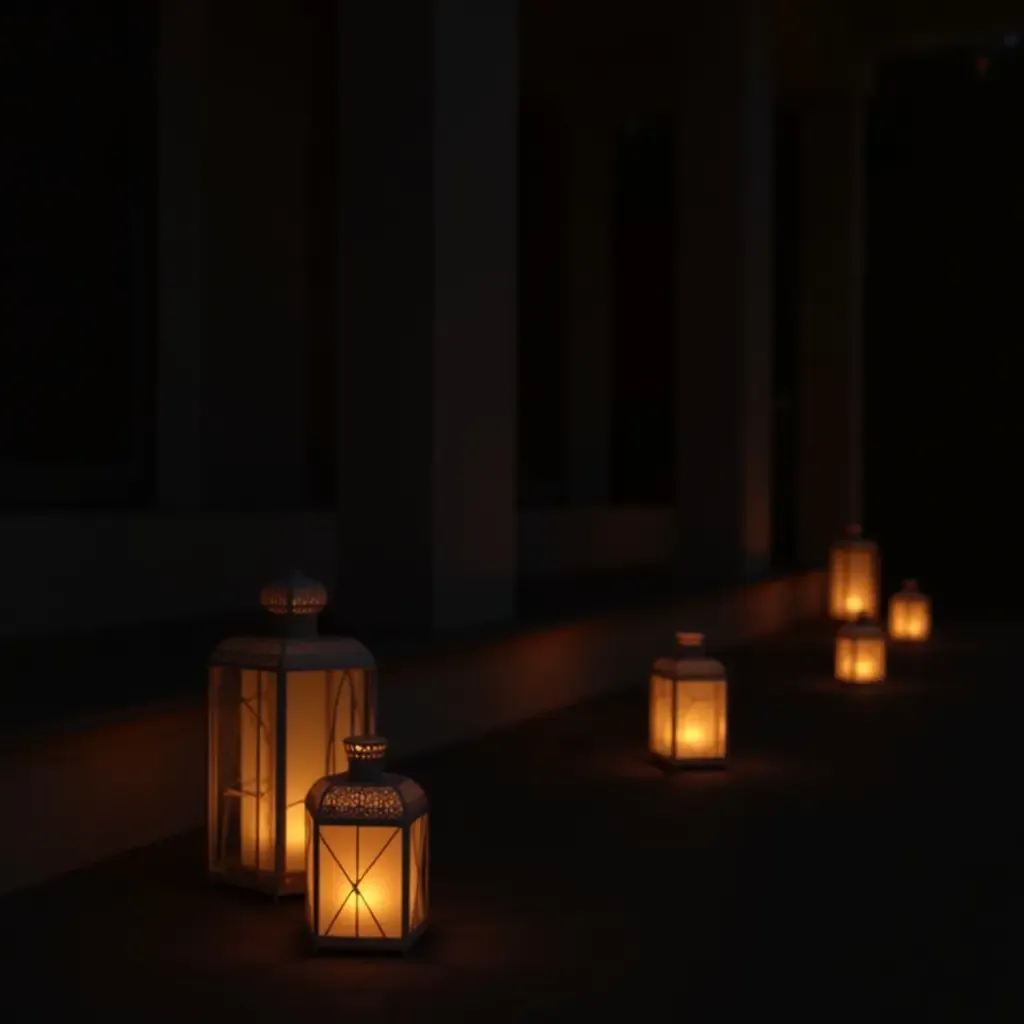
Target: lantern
853	577
279	707
860	652
366	855
910	614
688	707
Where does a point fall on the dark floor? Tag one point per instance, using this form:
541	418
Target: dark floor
853	863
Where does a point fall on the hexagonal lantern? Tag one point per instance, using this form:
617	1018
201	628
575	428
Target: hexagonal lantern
367	855
853	577
910	614
279	707
688	707
860	652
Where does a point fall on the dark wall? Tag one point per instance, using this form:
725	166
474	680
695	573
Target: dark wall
945	269
643	314
785	376
542	365
77	183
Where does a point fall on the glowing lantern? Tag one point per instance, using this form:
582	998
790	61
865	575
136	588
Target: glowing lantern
853	572
279	708
366	855
910	614
688	707
860	652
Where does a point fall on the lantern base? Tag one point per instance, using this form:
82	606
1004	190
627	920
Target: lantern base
368	947
690	763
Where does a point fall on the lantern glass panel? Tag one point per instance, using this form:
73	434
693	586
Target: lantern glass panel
360	884
910	617
419	869
320	708
860	659
243	711
853	580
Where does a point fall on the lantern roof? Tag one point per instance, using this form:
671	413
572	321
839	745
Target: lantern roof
283	653
689	660
365	792
293	604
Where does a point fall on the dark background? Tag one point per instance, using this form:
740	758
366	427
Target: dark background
945	209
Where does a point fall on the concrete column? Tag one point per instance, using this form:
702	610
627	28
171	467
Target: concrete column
180	333
427	305
830	325
589	320
723	358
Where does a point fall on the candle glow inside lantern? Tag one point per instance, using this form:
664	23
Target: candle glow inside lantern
860	652
853	577
910	614
279	707
367	855
688	704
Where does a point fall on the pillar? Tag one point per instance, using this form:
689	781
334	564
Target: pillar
725	265
426	387
233	333
180	329
588	429
830	321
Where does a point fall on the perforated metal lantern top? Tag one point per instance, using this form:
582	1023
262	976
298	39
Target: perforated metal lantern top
295	601
366	793
293	604
690	660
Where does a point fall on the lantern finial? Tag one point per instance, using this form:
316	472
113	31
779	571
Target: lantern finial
366	756
296	601
910	585
854	530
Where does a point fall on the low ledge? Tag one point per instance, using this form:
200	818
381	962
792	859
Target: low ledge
139	776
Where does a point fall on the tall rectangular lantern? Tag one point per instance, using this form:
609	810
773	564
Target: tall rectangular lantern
279	710
688	707
853	577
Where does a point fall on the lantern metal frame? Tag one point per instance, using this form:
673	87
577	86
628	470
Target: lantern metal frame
294	605
367	797
839	570
864	631
690	664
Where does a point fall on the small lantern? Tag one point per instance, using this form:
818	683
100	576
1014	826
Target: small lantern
366	855
688	707
910	614
279	708
853	574
860	652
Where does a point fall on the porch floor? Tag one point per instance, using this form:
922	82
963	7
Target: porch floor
854	861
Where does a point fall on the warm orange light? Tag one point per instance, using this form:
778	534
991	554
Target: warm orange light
280	707
853	575
688	706
367	858
860	653
910	614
